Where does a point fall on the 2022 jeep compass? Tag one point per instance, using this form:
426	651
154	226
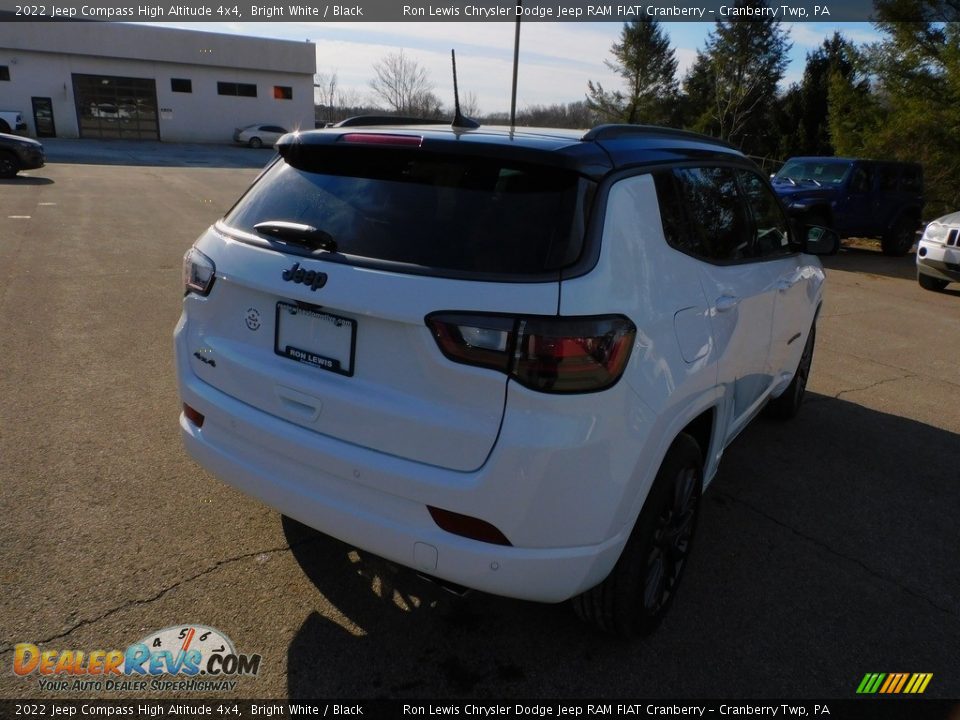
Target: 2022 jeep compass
507	359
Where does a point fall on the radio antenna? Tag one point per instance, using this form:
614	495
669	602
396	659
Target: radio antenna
459	120
516	62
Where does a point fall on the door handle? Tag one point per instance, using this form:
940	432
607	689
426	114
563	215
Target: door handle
725	303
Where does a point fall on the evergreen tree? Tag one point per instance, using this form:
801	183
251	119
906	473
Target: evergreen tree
648	66
803	117
731	89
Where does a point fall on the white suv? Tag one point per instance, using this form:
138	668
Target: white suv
509	360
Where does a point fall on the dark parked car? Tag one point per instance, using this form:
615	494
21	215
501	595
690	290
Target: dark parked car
19	153
857	198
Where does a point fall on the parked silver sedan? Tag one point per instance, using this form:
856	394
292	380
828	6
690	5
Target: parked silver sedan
256	136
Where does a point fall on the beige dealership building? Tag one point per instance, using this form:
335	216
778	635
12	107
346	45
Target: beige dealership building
115	80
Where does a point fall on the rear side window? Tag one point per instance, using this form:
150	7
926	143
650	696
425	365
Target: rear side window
718	228
888	177
435	214
771	234
862	179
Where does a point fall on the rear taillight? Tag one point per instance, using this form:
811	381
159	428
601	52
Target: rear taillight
198	272
548	354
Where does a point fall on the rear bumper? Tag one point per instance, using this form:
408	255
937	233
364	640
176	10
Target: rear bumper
938	261
360	496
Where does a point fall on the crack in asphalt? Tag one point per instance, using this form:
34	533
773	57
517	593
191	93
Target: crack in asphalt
893	366
9	647
856	561
873	385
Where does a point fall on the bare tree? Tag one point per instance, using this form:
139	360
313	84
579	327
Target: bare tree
325	88
469	106
402	84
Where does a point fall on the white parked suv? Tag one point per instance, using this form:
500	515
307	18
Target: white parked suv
938	253
509	360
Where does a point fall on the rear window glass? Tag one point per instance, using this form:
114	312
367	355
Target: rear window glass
438	212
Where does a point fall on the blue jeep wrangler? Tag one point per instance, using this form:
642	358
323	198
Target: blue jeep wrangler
857	198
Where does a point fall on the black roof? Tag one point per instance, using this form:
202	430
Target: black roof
593	153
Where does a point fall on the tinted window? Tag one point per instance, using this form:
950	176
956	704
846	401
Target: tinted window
4	72
862	179
819	172
182	85
282	92
888	177
273	128
675	229
238	89
771	234
912	179
469	215
718	223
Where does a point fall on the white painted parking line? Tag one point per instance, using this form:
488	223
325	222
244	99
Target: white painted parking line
18	217
47	203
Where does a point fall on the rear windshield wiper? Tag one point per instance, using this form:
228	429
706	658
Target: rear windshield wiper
296	233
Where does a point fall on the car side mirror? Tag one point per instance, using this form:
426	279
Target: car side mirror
820	240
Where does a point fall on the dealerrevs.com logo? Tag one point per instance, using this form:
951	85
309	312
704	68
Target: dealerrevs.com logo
177	658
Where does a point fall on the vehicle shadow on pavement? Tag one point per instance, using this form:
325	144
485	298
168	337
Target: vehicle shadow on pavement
826	547
872	262
26	180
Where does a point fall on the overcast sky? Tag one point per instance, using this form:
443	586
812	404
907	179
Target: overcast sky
556	59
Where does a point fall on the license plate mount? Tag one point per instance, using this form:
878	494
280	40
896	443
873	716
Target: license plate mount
311	336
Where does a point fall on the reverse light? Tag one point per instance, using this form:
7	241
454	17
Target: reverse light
547	354
198	272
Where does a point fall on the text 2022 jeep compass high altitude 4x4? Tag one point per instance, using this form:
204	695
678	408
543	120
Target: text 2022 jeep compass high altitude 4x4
507	359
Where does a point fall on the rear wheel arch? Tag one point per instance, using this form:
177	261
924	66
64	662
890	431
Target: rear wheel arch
701	430
635	596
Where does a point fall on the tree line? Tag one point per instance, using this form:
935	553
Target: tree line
896	98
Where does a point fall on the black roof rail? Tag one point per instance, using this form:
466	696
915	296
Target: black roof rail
622	131
364	120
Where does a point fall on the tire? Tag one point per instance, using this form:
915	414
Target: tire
898	240
931	283
9	166
787	405
256	143
643	584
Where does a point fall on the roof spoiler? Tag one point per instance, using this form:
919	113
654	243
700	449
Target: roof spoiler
367	120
